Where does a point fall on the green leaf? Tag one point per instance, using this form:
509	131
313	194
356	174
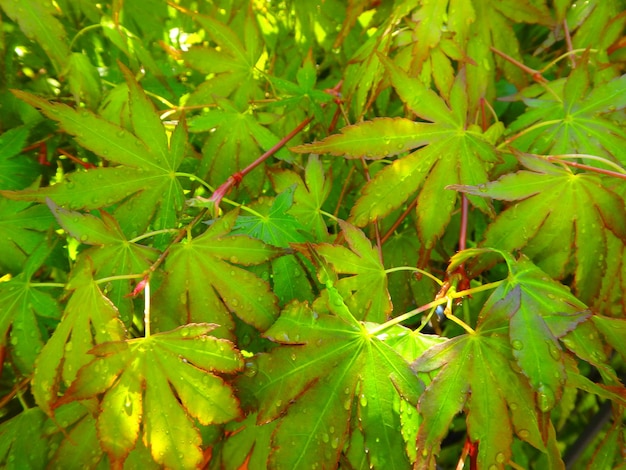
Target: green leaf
37	20
16	171
456	151
380	138
573	119
592	209
365	291
146	178
84	81
277	227
295	379
160	383
475	376
185	296
614	330
21	304
22	229
309	195
111	253
22	442
89	319
230	65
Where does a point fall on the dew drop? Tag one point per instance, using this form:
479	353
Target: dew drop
334	443
234	259
554	351
500	458
278	403
523	433
363	400
84	237
325	438
517	344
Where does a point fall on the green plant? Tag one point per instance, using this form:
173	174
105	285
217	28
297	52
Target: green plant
246	234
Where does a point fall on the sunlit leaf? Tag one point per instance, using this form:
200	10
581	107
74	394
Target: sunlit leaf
550	232
88	319
367	374
577	119
456	151
159	383
144	182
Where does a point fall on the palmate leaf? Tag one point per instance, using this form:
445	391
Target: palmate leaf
204	284
235	140
144	185
21	304
231	65
309	195
37	20
277	227
573	118
111	253
22	230
89	319
365	291
16	171
475	375
329	364
158	384
457	151
560	214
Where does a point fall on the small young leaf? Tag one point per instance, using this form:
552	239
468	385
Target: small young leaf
365	292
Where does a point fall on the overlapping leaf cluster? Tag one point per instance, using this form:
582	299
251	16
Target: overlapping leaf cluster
416	256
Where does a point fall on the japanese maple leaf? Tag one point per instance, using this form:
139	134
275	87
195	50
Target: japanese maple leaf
329	364
549	231
110	253
155	386
89	319
449	149
141	181
22	303
185	295
365	290
569	117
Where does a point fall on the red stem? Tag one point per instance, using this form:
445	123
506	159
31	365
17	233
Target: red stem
535	74
236	178
582	166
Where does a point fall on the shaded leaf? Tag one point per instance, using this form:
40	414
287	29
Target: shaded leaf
38	22
16	171
186	297
365	291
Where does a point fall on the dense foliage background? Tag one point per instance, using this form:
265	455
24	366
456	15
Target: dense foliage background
312	234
